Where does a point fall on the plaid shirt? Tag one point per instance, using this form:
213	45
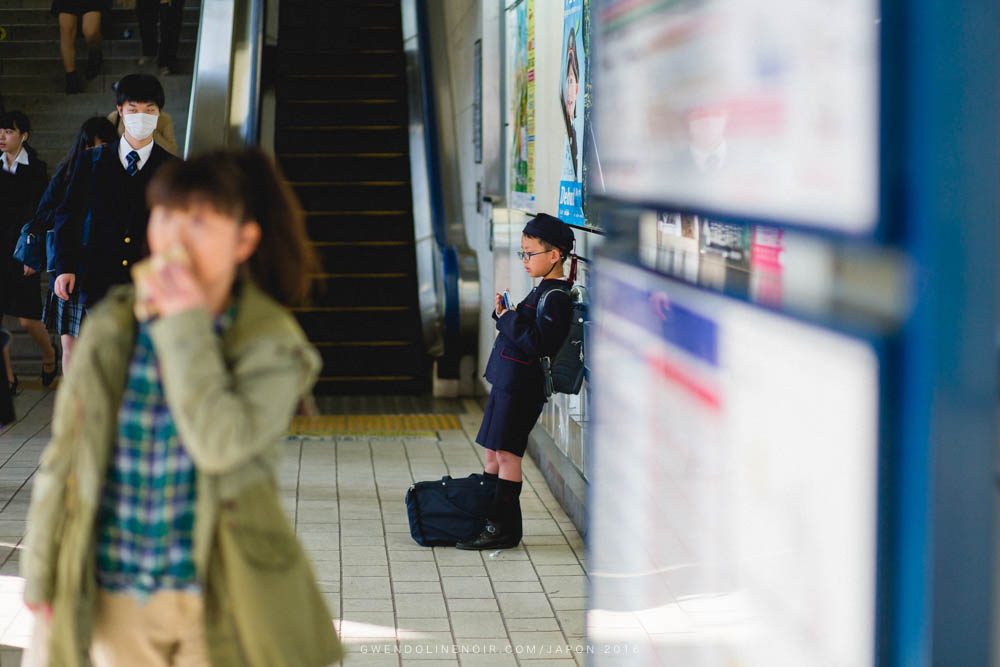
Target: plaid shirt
145	522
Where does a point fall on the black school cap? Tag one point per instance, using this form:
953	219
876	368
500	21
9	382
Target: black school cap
551	230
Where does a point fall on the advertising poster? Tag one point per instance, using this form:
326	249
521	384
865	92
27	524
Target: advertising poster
735	454
521	38
571	103
762	108
725	256
765	266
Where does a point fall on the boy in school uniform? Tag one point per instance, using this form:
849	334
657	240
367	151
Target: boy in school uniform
515	373
91	257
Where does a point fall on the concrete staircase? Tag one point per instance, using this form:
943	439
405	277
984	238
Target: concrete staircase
32	80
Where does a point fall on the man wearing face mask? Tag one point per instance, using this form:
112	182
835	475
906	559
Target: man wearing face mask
100	228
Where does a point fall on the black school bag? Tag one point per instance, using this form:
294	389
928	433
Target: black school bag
445	511
564	371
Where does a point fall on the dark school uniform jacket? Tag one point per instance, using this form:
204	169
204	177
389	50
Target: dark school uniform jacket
525	336
117	230
19	195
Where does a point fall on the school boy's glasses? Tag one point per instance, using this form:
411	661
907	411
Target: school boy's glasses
525	256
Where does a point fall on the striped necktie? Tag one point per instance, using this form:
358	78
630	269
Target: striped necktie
133	163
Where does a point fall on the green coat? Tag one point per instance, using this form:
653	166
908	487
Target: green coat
232	403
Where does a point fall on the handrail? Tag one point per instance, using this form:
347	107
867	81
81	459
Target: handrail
447	268
225	90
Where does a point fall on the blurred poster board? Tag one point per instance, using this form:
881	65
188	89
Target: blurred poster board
521	99
759	108
733	482
573	70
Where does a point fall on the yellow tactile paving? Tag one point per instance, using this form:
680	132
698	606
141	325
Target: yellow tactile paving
374	424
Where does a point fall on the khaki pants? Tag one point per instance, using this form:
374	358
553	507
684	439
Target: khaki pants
168	630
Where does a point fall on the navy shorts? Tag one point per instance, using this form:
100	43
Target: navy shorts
507	422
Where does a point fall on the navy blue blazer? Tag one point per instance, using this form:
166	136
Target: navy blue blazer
526	336
117	204
19	195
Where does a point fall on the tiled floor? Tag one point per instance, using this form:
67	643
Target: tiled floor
396	603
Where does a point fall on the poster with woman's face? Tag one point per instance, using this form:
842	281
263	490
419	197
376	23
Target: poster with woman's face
572	72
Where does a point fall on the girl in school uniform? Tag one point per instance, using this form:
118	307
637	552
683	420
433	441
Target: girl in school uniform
156	535
23	177
515	374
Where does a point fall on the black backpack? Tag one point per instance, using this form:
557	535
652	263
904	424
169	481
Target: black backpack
564	372
446	511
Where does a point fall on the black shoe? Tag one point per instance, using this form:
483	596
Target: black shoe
492	537
94	60
49	377
74	83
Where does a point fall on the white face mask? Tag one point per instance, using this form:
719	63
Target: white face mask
140	125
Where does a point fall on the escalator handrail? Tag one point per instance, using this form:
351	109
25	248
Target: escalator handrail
225	89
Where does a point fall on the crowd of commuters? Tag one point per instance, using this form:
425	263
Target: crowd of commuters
78	223
156	534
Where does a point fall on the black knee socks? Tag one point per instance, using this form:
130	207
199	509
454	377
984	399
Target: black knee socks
506	507
490	477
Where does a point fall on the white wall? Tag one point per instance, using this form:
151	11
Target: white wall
466	21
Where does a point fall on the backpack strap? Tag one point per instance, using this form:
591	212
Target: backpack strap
545	296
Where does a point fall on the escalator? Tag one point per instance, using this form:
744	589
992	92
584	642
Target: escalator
348	107
341	138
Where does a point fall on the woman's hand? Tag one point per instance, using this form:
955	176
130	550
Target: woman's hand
28	271
172	289
500	308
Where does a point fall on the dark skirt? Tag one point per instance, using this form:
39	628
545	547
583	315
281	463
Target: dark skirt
79	7
507	422
21	295
64	317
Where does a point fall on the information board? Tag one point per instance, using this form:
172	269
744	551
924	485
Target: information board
758	108
732	504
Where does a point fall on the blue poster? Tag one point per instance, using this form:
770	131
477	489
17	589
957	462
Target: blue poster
574	63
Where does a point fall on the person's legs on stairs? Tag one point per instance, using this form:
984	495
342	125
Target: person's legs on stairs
92	33
171	18
147	12
67	48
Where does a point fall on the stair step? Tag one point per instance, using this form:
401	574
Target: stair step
375	62
27	32
383	386
360	289
335	112
31	83
189	5
342	139
388	166
354	196
359	225
340	16
323	88
10	15
52	66
112	48
364	38
371	325
373	360
394	256
176	88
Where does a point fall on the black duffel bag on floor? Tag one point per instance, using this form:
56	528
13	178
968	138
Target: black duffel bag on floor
443	512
